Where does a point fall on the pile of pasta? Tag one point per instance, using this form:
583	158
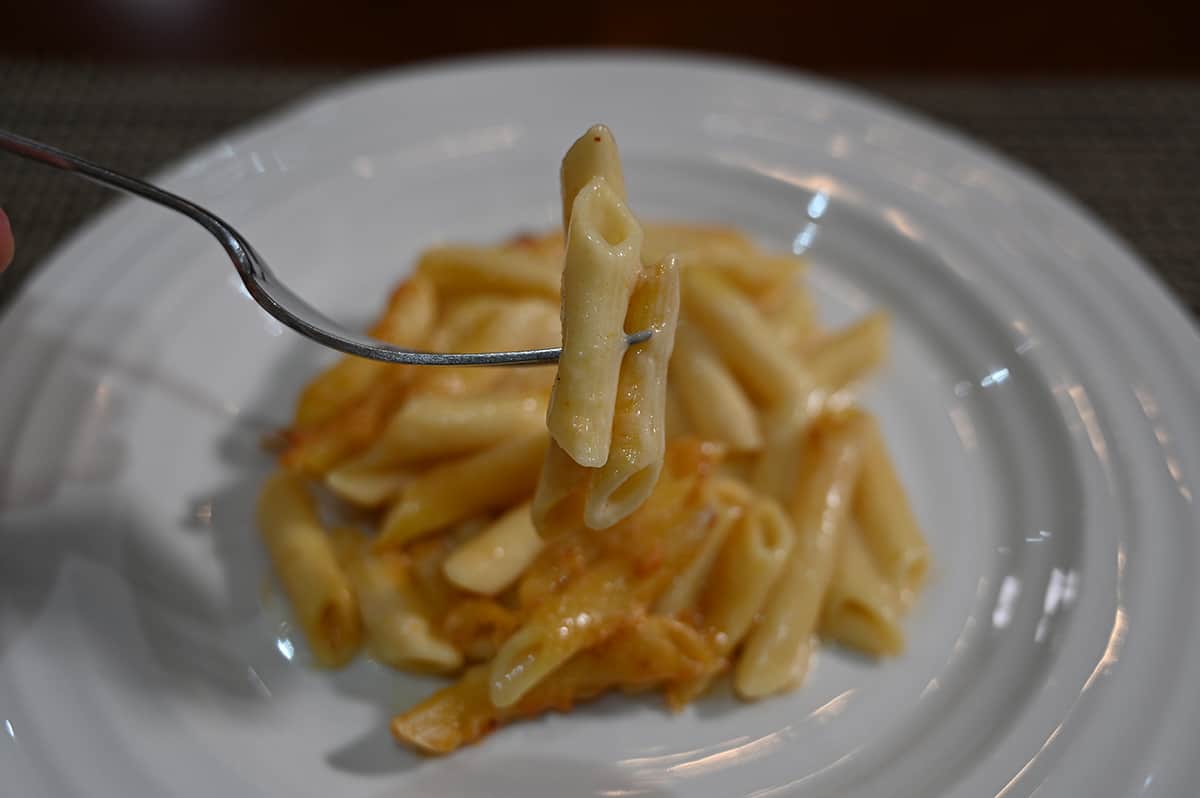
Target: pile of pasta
709	502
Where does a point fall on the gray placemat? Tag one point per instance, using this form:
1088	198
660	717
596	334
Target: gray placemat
1130	151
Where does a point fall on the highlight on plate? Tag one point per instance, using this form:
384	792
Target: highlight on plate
707	505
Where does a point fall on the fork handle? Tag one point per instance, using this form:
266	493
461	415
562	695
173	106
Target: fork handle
262	284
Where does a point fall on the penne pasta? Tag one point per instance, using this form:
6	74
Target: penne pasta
367	488
431	428
306	563
742	338
685	589
749	564
683	240
489	324
462	270
599	274
888	525
563	557
640	562
478	627
745	571
560	481
677	423
793	320
862	611
406	322
711	399
395	616
548	245
461	489
571	547
652	651
314	450
635	456
778	468
461	323
776	653
729	499
427	558
588	611
849	354
494	559
594	154
756	274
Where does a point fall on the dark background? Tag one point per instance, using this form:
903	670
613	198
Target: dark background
1076	37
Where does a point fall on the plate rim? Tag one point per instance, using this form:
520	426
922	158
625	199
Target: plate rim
1126	260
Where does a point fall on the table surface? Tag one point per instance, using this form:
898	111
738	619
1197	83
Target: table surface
1128	150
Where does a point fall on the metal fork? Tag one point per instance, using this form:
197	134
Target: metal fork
267	290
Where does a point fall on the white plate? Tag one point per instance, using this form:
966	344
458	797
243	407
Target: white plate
1041	400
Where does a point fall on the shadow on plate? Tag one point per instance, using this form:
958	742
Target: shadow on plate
68	535
487	777
188	608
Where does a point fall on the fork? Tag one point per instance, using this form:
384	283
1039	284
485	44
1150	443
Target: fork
262	283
